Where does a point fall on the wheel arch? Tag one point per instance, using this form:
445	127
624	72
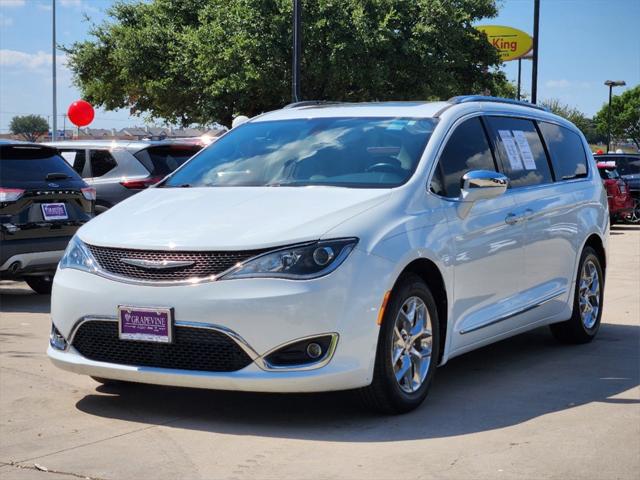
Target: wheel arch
594	241
429	272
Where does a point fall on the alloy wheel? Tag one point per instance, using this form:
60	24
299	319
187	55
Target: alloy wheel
589	294
634	216
412	344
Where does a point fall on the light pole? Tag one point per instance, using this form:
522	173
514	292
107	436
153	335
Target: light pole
53	62
536	34
297	50
611	84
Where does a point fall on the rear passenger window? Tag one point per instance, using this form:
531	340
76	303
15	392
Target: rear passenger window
101	162
467	149
628	165
566	151
75	158
520	150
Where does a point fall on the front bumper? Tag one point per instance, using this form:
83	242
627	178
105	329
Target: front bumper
264	313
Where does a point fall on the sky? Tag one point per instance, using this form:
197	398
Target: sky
582	44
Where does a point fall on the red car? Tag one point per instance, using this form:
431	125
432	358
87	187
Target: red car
620	200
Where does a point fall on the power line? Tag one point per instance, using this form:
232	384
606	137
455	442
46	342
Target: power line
61	115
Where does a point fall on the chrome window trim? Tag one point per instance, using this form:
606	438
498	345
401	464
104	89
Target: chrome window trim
258	359
509	315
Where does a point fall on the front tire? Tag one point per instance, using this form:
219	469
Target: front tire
584	323
41	285
408	349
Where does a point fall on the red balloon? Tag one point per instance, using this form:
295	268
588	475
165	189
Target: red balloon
80	113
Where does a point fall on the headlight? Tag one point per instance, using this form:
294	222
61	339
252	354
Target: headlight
78	256
299	262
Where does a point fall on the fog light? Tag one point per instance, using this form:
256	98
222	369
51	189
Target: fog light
308	351
314	350
56	340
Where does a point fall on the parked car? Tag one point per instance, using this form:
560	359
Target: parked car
341	246
618	194
628	166
118	169
42	204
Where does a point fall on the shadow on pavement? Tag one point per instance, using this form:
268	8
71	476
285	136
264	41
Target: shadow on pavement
501	385
621	227
18	297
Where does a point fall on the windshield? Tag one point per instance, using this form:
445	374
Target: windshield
347	152
164	159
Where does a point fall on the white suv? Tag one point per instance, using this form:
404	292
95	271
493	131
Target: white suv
341	246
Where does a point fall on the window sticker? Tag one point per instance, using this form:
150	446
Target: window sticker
397	124
525	150
513	152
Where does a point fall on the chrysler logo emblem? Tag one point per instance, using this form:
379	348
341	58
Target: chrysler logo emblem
157	264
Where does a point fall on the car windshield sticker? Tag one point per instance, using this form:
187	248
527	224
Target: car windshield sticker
397	124
512	150
525	150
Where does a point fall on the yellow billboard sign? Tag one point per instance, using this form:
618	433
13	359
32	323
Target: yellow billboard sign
510	42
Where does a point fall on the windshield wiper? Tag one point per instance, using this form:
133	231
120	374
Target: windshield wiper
183	185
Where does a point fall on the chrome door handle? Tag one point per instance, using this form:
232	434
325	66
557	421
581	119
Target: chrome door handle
512	219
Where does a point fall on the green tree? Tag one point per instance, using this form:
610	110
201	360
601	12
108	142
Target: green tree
575	116
199	61
30	127
625	116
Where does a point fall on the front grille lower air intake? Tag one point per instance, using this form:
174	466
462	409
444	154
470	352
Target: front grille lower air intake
192	349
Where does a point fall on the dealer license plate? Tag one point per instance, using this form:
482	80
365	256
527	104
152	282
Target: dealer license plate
54	211
145	324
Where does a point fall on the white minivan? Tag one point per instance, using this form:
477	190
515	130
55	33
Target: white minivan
332	246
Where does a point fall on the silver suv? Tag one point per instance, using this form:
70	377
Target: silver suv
118	169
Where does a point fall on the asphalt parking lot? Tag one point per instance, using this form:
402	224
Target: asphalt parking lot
526	407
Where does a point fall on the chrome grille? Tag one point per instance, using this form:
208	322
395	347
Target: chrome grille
205	264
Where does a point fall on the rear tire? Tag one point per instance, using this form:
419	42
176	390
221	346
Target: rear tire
41	285
584	323
633	217
100	209
412	342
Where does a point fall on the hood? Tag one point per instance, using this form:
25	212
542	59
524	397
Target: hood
227	218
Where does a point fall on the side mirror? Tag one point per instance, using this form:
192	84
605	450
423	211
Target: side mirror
480	185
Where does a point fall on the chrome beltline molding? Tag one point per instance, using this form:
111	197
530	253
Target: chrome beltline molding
241	342
515	313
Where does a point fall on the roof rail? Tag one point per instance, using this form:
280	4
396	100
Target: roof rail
485	98
309	103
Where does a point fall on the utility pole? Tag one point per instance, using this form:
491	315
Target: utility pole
519	76
53	58
297	50
536	34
